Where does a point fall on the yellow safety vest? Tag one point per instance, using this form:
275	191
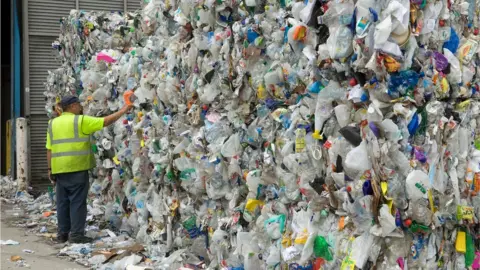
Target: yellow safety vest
70	147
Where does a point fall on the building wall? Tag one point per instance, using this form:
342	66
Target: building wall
5	87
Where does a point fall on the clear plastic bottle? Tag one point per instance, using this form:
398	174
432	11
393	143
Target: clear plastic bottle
419	212
396	191
134	144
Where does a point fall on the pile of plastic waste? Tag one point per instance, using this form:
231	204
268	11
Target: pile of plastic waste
8	186
38	217
265	134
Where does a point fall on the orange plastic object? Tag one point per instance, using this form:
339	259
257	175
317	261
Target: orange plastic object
476	182
126	97
300	32
391	64
341	223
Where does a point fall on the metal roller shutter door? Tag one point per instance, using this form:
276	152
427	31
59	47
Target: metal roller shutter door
44	16
38	157
133	5
104	5
42	59
43	27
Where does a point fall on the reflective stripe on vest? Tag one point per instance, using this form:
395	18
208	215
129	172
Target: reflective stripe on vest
72	153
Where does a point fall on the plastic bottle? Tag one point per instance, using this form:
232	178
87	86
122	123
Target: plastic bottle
134	144
419	212
323	111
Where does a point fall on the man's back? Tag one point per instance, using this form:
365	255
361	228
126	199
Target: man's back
68	138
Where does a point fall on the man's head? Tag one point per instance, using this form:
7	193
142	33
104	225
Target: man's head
71	104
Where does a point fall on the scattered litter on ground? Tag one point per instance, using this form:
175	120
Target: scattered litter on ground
8	242
15	258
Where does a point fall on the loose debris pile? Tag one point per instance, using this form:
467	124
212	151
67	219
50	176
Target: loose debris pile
38	216
315	134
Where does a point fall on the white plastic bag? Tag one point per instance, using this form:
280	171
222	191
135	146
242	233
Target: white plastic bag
358	159
361	248
232	146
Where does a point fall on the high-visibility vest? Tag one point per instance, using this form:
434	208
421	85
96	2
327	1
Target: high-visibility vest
71	150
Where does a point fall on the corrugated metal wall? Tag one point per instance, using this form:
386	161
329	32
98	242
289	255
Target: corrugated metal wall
112	5
133	5
42	28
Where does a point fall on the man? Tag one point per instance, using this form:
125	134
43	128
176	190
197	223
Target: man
70	156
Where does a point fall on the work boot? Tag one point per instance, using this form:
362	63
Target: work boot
80	239
62	238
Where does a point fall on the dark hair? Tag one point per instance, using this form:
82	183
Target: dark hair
67	107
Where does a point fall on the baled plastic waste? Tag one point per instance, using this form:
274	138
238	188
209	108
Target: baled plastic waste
313	135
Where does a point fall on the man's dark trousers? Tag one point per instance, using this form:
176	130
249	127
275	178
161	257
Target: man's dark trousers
72	190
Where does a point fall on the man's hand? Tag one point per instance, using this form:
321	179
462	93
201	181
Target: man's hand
128	97
51	177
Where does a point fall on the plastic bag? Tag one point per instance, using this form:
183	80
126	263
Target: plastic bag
357	158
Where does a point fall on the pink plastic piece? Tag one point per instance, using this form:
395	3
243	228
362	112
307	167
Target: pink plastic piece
105	57
476	262
401	263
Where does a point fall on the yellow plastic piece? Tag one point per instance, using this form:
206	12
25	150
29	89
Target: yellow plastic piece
261	92
316	135
115	160
90	25
384	187
252	204
430	200
463	105
302	238
391	64
286	241
444	85
465	212
461	242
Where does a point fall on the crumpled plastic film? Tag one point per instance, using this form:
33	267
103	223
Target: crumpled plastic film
8	187
313	135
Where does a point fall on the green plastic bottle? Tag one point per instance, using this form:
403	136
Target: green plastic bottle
470	254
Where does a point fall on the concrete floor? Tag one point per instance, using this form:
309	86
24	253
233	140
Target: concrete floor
45	253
